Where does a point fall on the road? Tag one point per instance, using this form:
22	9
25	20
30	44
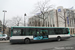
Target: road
51	45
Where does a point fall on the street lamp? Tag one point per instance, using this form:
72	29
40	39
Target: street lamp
4	20
24	18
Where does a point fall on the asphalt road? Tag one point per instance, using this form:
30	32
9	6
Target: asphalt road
68	44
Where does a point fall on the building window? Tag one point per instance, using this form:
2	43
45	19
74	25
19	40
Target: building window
74	20
48	24
73	30
0	29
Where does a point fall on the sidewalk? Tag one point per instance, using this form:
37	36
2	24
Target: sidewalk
4	41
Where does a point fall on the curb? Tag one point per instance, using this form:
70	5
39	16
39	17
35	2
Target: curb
7	41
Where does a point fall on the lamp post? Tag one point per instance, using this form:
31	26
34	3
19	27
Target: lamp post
24	18
4	20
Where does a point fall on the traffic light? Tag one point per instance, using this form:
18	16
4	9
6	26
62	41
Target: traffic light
3	29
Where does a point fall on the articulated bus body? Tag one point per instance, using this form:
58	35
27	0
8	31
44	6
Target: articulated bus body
28	34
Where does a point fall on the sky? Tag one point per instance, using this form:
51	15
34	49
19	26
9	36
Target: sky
20	7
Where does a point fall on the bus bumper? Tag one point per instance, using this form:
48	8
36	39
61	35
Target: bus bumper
16	40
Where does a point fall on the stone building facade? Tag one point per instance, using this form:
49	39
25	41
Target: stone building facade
60	17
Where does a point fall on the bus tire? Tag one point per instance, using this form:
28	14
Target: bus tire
3	39
58	38
27	41
11	43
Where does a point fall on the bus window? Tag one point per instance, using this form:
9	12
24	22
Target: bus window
44	32
65	31
30	31
51	31
58	30
16	32
37	32
22	32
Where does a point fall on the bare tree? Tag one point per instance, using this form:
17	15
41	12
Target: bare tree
62	18
15	21
43	7
7	22
66	19
37	23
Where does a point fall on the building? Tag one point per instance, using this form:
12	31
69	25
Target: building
70	19
52	18
49	22
60	17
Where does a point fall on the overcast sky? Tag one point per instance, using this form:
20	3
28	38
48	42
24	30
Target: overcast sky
19	7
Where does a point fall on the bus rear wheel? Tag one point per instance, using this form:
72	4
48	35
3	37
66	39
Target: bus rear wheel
59	38
27	41
3	39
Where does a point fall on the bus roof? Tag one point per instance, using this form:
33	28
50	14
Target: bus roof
35	27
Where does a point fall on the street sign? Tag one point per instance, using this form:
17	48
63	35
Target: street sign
67	20
59	10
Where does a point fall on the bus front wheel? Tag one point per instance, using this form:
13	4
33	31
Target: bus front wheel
27	41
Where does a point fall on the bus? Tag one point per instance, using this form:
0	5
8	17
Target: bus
28	34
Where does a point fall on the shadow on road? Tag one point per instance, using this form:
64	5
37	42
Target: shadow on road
38	42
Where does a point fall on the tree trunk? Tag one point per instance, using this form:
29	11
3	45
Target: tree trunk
65	22
57	19
18	24
43	23
43	19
